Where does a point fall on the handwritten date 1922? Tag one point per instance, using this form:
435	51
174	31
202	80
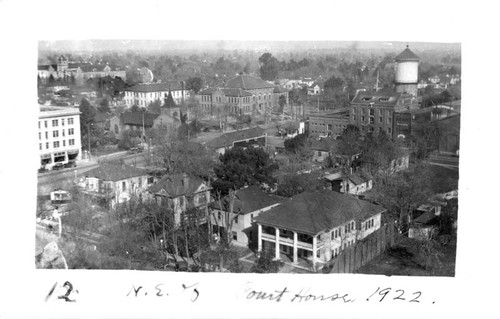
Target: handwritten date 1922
398	294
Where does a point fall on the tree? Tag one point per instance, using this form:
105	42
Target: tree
292	184
282	103
425	139
266	264
194	84
178	156
402	192
130	139
378	152
239	167
104	106
269	67
87	120
154	107
333	83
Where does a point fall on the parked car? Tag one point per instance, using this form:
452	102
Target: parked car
42	169
57	166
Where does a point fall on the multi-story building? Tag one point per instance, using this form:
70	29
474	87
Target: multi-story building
58	135
80	71
143	95
237	100
248	203
115	183
328	124
316	226
244	94
374	112
181	192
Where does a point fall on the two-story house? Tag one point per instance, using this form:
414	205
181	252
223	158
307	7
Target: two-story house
181	192
248	203
115	183
316	226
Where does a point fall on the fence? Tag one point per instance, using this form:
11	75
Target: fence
364	250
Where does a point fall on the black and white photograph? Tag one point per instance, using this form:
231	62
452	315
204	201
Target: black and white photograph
264	156
248	160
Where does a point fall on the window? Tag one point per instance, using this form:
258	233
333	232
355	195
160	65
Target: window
140	182
219	215
55	133
64	142
353	226
39	136
47	145
55	122
45	124
40	146
39	125
150	180
46	135
380	120
236	219
70	121
62	122
354	118
63	133
56	144
71	142
372	120
362	118
389	120
235	236
389	130
124	185
372	112
71	131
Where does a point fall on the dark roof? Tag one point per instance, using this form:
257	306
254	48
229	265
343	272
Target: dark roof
247	82
46	67
249	199
115	172
156	87
314	212
377	98
176	185
279	89
136	118
226	91
407	55
227	139
326	144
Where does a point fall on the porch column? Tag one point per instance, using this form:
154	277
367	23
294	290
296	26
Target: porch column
315	245
259	236
277	247
295	250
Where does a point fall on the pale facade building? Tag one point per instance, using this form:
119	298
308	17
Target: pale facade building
59	138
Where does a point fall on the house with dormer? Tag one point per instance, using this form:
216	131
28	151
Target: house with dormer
181	192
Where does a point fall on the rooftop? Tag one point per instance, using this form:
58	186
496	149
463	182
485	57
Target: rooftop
55	111
156	87
247	82
315	212
227	139
249	199
115	172
176	185
407	55
138	118
377	98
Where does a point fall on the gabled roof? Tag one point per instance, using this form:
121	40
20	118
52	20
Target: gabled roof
315	212
377	98
248	200
156	87
115	172
407	55
234	92
136	118
176	185
47	67
227	139
247	82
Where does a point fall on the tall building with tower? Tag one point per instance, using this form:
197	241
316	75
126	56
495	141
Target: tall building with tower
406	77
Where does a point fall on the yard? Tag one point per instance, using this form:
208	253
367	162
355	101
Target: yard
404	259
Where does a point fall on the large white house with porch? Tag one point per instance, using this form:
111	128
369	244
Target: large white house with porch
316	226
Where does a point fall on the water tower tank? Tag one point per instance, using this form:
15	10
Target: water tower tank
406	67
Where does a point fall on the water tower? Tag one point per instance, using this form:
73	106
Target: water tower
406	78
